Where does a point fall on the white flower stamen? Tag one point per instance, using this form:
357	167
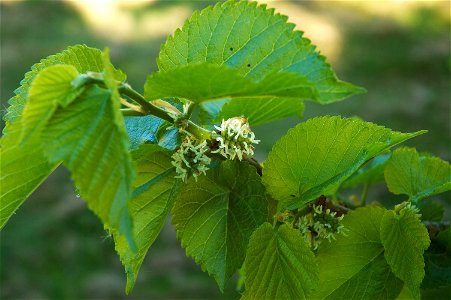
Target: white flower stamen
235	138
321	225
190	159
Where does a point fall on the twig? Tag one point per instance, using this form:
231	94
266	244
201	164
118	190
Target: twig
326	203
132	106
146	106
131	112
254	163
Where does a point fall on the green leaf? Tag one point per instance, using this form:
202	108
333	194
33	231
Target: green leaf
437	271
316	156
257	111
144	150
215	217
371	173
354	266
230	34
438	262
261	111
444	238
150	129
206	82
208	111
405	294
51	87
279	265
82	57
142	130
405	239
24	166
153	196
417	176
111	83
87	136
430	211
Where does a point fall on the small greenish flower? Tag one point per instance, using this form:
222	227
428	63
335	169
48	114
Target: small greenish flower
405	206
305	224
320	225
329	221
190	159
235	138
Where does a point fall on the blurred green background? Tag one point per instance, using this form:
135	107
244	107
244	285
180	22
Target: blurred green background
54	248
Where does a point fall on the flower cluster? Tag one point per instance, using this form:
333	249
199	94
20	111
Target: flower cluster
320	225
234	138
407	206
190	159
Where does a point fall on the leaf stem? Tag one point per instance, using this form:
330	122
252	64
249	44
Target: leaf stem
131	112
198	131
190	109
168	107
132	106
252	161
152	109
147	107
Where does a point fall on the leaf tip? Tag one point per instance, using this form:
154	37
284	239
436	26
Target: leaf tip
131	279
360	90
420	132
353	89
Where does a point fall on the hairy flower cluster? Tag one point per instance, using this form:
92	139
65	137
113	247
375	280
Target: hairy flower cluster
234	138
190	159
407	206
320	225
